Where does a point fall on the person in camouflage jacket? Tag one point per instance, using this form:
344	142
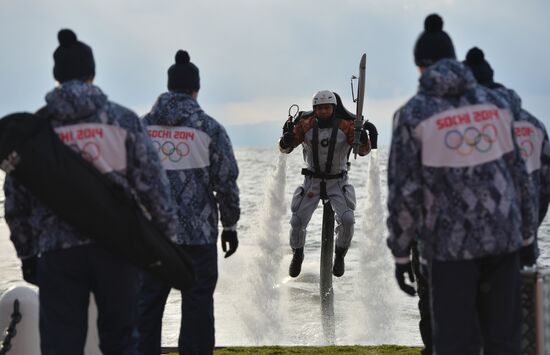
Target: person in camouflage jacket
65	265
458	186
197	154
531	135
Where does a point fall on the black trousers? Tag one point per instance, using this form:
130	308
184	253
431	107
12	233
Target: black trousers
476	305
197	334
66	278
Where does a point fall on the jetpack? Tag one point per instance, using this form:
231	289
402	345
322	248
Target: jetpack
32	153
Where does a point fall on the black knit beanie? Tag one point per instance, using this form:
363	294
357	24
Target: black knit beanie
433	44
72	59
183	76
475	60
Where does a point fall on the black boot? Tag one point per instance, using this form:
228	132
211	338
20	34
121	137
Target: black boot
339	266
296	263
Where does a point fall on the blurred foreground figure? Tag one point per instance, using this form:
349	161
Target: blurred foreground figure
64	264
458	186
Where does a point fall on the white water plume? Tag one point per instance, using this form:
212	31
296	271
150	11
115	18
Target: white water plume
262	317
375	283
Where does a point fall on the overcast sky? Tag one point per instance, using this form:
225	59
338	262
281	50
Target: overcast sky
257	57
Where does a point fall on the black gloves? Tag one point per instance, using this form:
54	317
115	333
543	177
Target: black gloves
288	134
400	271
28	267
286	140
229	237
373	134
527	256
288	126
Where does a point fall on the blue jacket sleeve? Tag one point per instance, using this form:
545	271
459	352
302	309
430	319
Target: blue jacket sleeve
526	190
526	193
149	180
522	180
223	174
404	191
18	208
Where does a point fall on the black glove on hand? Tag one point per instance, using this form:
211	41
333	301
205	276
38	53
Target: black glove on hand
400	271
527	256
288	126
229	237
28	267
373	134
287	140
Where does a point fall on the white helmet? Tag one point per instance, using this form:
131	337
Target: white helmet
324	97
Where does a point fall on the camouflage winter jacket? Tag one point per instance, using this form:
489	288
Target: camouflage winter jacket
114	140
534	147
197	155
455	176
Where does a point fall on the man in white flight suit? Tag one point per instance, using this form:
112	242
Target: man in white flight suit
327	138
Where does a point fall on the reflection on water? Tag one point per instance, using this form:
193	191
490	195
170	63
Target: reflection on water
257	303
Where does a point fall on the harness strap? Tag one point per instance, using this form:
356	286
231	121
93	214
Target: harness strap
315	147
328	165
348	163
310	173
332	145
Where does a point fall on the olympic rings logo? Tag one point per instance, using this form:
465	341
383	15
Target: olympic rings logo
89	151
526	148
472	139
173	152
